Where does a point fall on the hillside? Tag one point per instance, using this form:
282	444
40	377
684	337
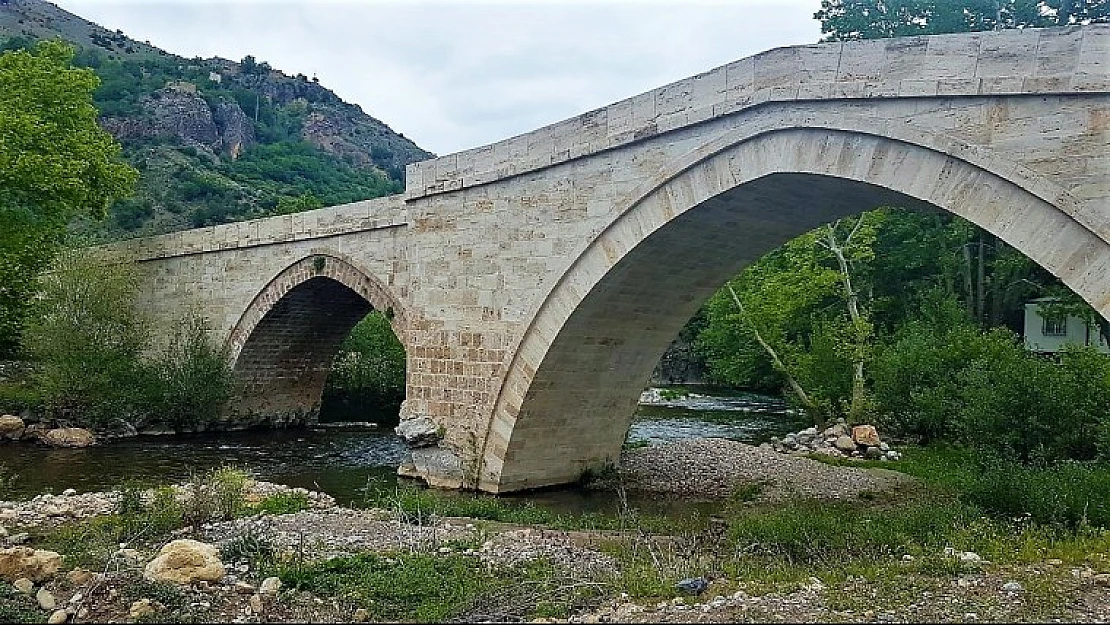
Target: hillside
216	140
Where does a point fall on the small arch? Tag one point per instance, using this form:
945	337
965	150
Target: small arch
596	337
283	345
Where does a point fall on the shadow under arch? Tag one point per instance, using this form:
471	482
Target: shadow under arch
570	392
284	344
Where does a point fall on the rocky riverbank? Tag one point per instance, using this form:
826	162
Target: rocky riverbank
717	468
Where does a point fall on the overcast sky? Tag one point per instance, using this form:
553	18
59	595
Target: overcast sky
452	75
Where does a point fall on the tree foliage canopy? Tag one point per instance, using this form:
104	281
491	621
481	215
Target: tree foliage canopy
843	20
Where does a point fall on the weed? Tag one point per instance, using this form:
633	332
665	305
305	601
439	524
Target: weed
283	503
250	547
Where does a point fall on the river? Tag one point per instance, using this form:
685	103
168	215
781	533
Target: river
344	460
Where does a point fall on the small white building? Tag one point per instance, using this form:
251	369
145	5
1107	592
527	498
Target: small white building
1048	334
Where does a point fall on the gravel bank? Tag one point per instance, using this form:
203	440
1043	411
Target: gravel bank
714	467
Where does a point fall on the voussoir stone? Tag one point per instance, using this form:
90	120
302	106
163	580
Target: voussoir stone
186	561
69	437
34	564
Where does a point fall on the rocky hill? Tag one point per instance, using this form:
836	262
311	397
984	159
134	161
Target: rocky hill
217	140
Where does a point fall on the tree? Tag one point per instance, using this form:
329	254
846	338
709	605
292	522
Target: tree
55	163
843	20
801	306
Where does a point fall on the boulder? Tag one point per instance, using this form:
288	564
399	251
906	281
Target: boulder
845	444
68	437
34	564
866	435
185	561
873	453
11	427
419	432
835	431
24	585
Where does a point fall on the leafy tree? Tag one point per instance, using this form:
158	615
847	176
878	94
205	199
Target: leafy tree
843	20
55	163
800	306
87	338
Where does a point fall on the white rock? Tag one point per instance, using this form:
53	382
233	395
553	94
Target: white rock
57	617
270	586
45	599
1012	586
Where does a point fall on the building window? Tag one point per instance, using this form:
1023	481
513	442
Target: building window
1054	326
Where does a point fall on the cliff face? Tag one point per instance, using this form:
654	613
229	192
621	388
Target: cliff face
178	113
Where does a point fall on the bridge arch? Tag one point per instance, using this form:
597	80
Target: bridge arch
283	346
569	393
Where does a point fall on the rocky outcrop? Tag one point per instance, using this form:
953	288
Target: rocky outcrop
68	437
34	564
181	113
185	561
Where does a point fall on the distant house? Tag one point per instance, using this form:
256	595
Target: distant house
1047	334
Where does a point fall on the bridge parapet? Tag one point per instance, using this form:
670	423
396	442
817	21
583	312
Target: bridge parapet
384	212
1010	62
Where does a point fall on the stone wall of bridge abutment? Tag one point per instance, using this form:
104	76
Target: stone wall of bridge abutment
526	277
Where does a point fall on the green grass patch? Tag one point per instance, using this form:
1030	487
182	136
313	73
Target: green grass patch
420	505
16	607
283	503
429	588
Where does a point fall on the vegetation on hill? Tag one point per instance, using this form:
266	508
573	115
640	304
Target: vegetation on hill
214	140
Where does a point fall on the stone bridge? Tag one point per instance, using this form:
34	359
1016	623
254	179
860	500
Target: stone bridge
535	282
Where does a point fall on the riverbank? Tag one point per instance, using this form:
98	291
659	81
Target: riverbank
896	550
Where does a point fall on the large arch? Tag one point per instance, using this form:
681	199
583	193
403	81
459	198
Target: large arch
572	386
284	344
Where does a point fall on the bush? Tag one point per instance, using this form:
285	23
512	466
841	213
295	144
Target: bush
87	338
946	379
194	377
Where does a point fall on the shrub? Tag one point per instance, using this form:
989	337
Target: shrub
194	377
369	372
87	337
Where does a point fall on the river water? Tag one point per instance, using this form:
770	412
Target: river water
345	460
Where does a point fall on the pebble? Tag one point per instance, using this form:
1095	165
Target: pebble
270	586
361	615
24	585
58	616
1012	587
45	599
256	603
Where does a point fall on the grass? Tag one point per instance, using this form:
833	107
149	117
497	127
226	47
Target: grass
420	505
1073	494
283	503
428	588
16	607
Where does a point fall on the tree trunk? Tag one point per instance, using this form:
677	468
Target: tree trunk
969	284
807	403
858	324
980	286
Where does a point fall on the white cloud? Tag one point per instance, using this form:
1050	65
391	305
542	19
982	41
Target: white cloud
457	74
